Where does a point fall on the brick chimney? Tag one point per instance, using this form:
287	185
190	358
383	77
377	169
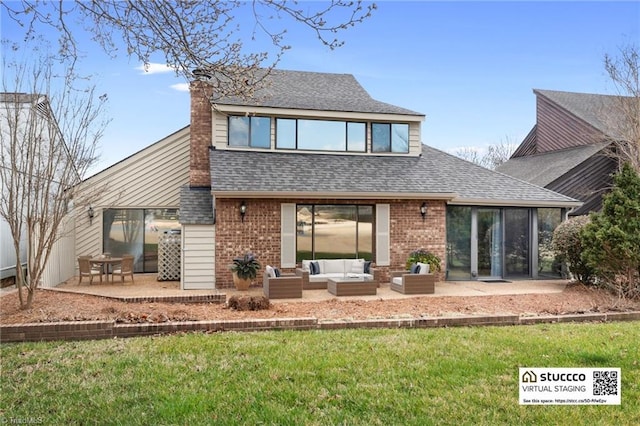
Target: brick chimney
201	122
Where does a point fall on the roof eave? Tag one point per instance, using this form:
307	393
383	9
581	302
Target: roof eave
282	110
514	203
448	196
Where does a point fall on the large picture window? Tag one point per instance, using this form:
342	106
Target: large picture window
334	232
320	135
253	132
390	137
135	232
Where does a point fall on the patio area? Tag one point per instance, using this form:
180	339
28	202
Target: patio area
146	285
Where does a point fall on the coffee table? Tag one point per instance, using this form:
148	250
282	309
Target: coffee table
351	286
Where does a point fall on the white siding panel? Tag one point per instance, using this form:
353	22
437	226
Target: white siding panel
150	178
62	263
198	257
415	138
220	133
288	235
383	251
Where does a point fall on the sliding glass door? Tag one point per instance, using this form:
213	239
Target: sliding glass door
490	243
135	232
517	242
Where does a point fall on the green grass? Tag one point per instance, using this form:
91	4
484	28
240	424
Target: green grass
455	376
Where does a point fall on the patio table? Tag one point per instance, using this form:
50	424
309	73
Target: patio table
105	263
351	286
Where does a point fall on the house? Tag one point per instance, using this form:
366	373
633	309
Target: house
569	148
313	167
27	116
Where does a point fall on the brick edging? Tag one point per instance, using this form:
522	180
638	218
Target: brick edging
90	330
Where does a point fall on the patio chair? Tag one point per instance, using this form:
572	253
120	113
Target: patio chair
87	269
285	286
407	283
124	268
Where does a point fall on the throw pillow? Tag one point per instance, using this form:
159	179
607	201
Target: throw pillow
306	266
424	268
415	268
314	268
276	271
357	267
269	270
367	267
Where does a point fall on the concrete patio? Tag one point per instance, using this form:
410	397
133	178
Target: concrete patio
145	285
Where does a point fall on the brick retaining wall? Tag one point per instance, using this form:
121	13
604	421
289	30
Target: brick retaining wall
88	330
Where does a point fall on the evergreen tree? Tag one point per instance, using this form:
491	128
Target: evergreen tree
611	241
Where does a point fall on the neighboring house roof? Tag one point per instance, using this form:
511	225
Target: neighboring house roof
600	111
196	206
434	174
316	91
542	169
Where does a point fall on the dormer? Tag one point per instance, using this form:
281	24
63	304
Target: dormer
308	112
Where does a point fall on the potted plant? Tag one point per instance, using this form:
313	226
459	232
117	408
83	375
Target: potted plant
423	256
244	270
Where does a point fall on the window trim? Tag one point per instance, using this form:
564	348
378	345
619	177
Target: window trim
346	135
390	141
250	128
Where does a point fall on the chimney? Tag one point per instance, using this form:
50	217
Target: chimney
201	139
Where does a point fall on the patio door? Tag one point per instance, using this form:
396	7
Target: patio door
490	243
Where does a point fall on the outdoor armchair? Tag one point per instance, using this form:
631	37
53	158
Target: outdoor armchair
407	283
87	269
287	286
125	267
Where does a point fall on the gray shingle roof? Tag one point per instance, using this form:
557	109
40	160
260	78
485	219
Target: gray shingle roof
601	111
434	172
542	169
316	91
196	206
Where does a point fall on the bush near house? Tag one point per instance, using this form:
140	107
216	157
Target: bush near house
567	244
423	256
611	241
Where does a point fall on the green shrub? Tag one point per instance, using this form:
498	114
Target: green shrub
611	240
568	246
423	256
246	266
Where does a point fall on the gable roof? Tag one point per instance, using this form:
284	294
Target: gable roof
600	111
542	169
435	174
316	91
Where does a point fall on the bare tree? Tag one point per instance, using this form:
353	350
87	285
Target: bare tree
494	155
624	72
49	131
209	35
470	154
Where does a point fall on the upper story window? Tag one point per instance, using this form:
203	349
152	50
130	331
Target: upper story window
252	132
320	135
390	137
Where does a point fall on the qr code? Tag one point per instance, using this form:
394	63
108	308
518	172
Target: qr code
605	383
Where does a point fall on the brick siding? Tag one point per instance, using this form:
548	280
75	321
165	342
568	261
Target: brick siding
260	232
91	330
200	135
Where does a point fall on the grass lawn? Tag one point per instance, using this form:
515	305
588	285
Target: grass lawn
454	376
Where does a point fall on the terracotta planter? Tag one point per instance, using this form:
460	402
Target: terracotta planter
240	283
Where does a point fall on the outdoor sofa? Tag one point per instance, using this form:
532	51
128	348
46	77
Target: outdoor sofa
315	273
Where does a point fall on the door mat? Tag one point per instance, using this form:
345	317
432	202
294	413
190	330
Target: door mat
497	280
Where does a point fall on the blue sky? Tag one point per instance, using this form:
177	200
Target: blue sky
470	67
